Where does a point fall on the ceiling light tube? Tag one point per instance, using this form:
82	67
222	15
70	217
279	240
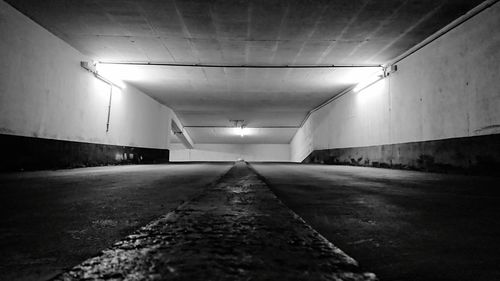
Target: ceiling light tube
367	83
153	63
93	68
115	82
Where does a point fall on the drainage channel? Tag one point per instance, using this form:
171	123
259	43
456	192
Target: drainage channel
235	230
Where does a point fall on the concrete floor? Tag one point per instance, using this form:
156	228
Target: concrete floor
402	225
237	229
52	220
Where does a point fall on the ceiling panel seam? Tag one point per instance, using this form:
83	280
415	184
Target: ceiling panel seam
329	49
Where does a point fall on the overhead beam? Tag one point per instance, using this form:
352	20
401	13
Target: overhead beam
182	135
146	63
260	127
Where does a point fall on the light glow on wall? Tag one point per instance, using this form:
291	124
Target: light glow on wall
117	93
349	76
118	83
372	90
366	83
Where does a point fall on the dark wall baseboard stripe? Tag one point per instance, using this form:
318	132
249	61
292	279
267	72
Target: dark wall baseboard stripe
30	153
467	155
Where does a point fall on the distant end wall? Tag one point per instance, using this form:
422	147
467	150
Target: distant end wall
231	152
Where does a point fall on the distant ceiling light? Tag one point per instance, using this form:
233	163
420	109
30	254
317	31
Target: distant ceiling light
240	127
243	131
368	82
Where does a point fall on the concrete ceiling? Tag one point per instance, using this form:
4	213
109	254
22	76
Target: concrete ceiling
232	32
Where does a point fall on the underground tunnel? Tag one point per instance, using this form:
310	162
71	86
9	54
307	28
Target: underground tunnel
250	140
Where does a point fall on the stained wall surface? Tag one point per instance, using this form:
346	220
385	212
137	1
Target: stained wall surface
231	152
45	93
447	90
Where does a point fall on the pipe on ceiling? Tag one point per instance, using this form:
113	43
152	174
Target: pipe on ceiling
209	65
181	135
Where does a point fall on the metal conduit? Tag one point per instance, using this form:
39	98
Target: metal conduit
241	65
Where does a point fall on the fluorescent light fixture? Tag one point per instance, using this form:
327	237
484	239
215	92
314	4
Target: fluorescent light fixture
109	76
368	82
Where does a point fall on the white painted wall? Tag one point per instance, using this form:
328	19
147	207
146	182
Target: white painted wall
450	88
45	93
231	152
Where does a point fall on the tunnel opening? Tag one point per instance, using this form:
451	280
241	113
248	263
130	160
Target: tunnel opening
267	133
